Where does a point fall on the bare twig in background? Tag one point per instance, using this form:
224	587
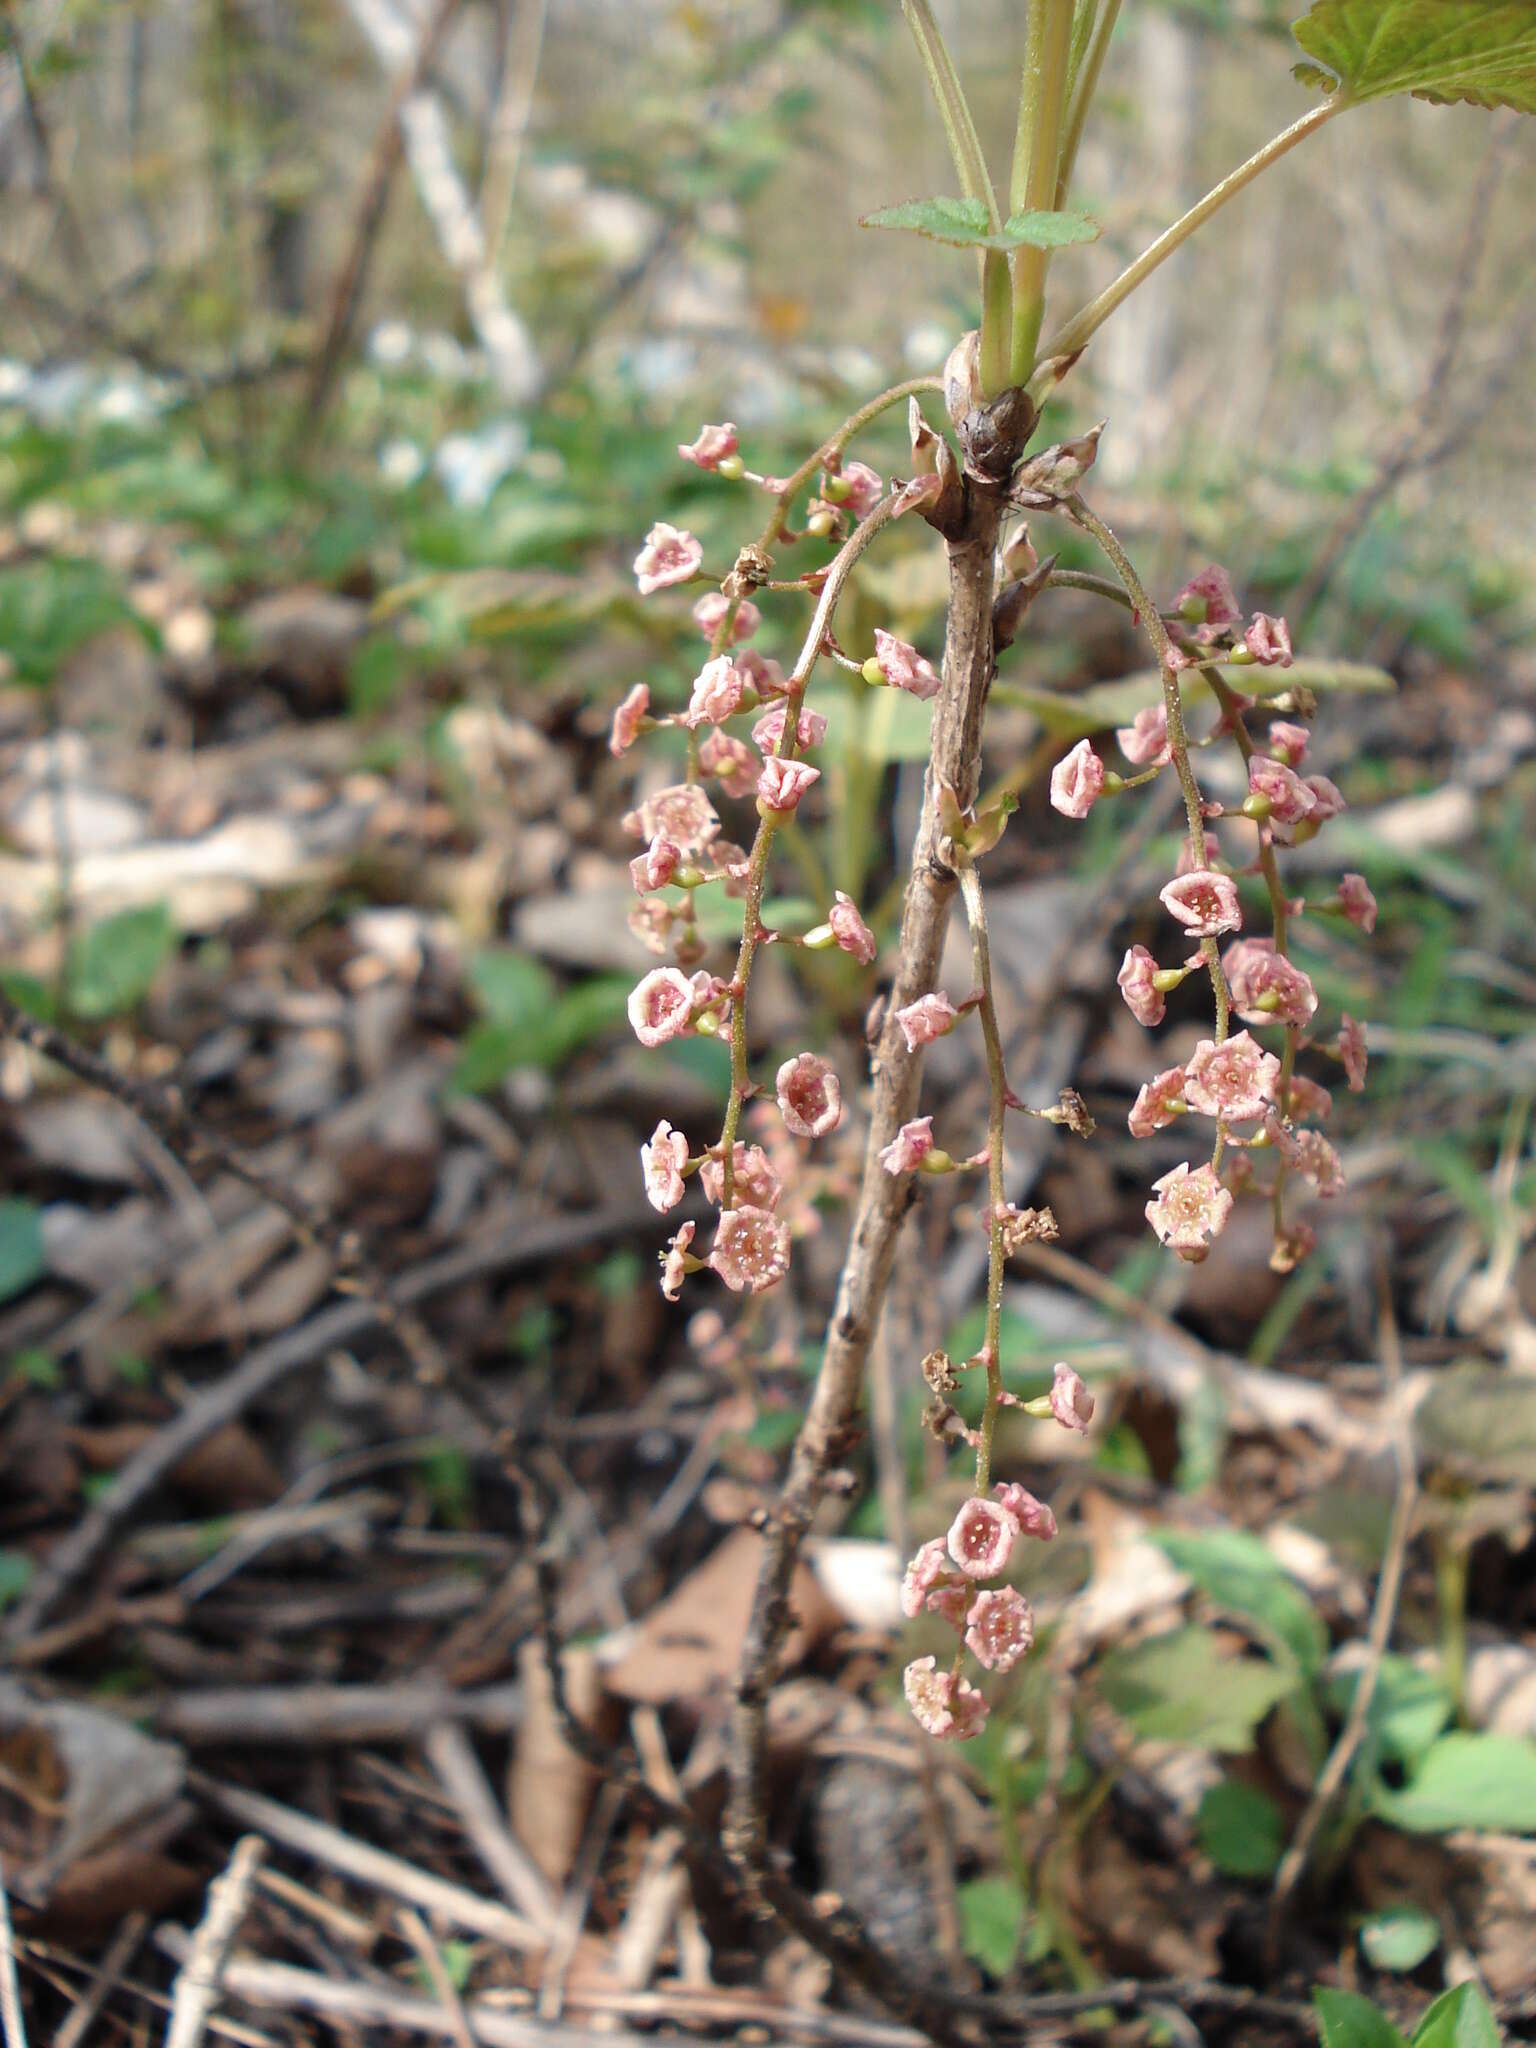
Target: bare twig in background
419	1935
510	116
1383	1615
1416	444
199	1982
105	1978
10	1990
309	1716
452	1757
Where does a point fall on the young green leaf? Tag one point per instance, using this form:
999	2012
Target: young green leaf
1467	1781
22	1256
1240	1829
1459	2019
1239	1572
991	1922
115	963
964	224
1408	1708
1399	1937
1479	51
1349	2021
1182	1688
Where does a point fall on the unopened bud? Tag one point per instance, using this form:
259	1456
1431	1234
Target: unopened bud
925	442
1019	557
962	377
1056	472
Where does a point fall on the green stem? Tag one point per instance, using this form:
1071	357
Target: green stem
996	354
1066	341
1036	161
1084	85
834	444
997	1194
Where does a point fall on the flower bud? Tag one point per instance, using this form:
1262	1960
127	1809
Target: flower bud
962	377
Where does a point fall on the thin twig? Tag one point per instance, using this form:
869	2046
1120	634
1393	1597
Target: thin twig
523	1884
419	1935
1383	1614
105	1979
11	2023
199	1982
510	118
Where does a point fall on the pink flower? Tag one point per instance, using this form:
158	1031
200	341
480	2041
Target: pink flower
765	676
862	487
1077	781
1312	1155
849	929
1235	1079
1352	1053
930	1017
752	1173
751	1249
712	608
1160	1102
910	1146
661	1006
669	556
782	783
1146	740
731	761
1357	902
651	923
1000	1628
653	869
981	1538
924	1572
810	728
1033	1516
674	1268
1071	1402
711	448
681	813
1289	743
1266	988
717	691
944	1705
1305	1098
1268	641
1204	901
662	1162
1288	797
949	1602
810	1100
903	667
1328	798
1291	1247
1145	1002
628	719
1191	1209
1208	599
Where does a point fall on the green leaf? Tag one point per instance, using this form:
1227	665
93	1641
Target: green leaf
1350	2021
1240	1573
512	987
22	1257
1399	1937
1408	1708
15	1577
1240	1829
1473	50
1467	1781
964	224
1182	1688
1482	1423
115	963
991	1922
1459	2019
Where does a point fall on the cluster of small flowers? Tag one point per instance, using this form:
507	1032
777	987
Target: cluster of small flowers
683	849
995	1623
1232	1079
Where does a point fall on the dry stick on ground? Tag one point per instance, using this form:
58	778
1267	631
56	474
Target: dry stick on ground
955	763
1414	446
199	1982
10	1990
525	21
1383	1614
343	1323
524	1886
419	1935
388	150
105	1978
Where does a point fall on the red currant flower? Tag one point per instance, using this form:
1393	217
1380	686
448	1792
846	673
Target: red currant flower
1000	1628
1145	742
930	1017
670	555
903	667
1208	600
1204	901
1077	782
674	1265
1071	1402
1289	743
1268	641
717	693
1294	1244
712	446
661	1006
629	719
862	489
1313	1156
662	1161
1357	902
765	676
653	869
1288	797
924	1572
1352	1053
651	923
1307	1099
944	1705
1161	1102
1033	1516
1266	988
949	1602
1236	1079
712	608
732	763
681	813
1145	1001
810	1100
1190	1210
752	1174
751	1249
852	934
810	728
910	1146
782	783
981	1538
